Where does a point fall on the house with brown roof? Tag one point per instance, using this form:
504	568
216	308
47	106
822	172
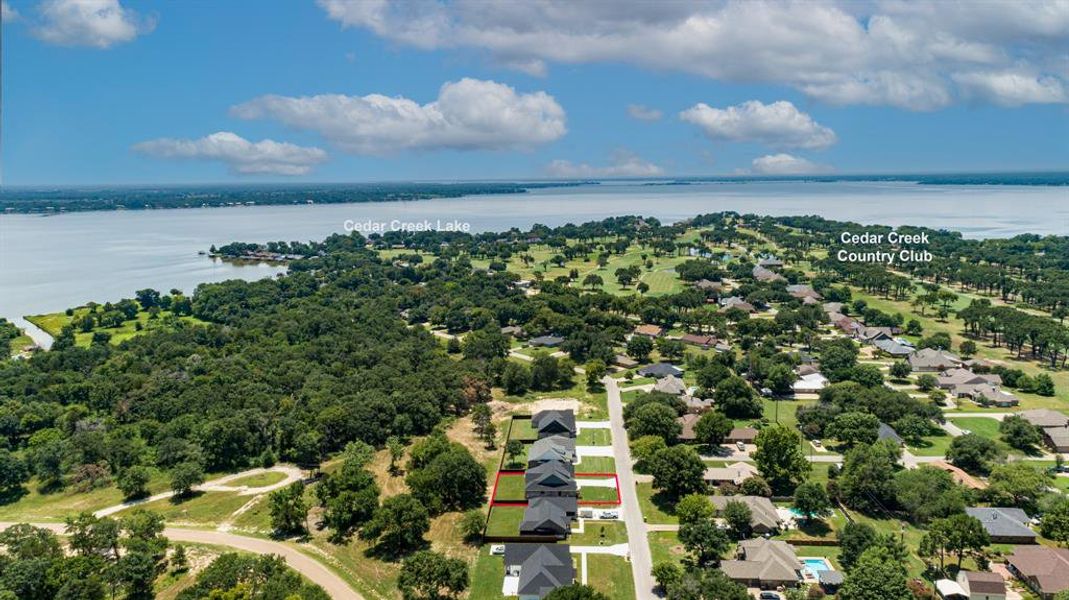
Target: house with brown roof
650	331
766	275
687	423
670	385
953	379
694	339
764	564
982	585
708	287
1043	569
1053	424
731	302
958	475
625	361
803	291
746	435
986	394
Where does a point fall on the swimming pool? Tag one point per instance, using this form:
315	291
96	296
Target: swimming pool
813	566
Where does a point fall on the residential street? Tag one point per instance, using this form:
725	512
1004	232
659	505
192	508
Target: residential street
641	563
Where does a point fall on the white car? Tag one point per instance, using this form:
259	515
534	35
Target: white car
497	550
816	443
741	446
610	514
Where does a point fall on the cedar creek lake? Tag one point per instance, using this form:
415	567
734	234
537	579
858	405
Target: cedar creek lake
51	263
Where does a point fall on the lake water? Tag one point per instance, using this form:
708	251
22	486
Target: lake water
52	263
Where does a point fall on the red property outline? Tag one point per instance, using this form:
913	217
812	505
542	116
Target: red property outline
515	473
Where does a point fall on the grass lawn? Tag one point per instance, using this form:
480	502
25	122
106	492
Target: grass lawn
374	579
20	342
505	520
596	493
487	576
933	445
655	508
596	464
510	488
53	324
610	575
981	426
665	546
522	430
258	480
54	506
594	437
600	533
203	509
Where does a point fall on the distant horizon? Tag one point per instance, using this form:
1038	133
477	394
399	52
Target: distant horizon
825	177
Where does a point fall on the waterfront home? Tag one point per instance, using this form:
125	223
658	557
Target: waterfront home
764	564
554	422
534	570
763	515
1005	525
931	360
1044	570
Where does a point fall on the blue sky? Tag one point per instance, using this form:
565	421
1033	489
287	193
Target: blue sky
101	92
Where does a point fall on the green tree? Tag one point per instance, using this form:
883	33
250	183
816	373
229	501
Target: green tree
973	453
288	509
704	541
867	480
513	450
472	524
639	347
677	471
1017	484
398	526
693	508
516	378
179	561
655	419
854	538
1019	433
737	515
736	399
927	493
876	576
133	482
811	500
900	370
1055	523
427	575
184	477
575	591
853	428
779	457
712	427
452	480
13	474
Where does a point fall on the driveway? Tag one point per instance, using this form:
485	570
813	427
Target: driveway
638	543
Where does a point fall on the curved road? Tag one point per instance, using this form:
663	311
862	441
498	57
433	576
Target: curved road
638	542
315	571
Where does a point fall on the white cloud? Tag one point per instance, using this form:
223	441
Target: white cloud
779	124
95	23
884	52
241	155
7	14
643	113
786	164
624	164
469	114
1008	88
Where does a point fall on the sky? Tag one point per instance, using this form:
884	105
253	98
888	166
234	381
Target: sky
143	92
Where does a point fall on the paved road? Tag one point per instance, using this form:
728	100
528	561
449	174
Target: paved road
315	571
641	562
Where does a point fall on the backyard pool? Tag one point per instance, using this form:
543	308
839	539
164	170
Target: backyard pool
813	566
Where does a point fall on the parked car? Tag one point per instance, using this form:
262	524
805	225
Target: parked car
770	596
740	446
497	550
816	443
610	514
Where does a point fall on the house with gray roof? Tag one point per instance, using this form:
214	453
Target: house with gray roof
546	341
1004	525
539	568
670	385
736	302
886	432
764	564
549	515
892	348
1053	424
762	274
550	479
555	448
554	422
659	370
930	360
763	515
955	380
771	262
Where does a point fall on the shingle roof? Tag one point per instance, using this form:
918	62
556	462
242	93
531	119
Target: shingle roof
762	511
543	567
670	385
660	370
549	422
1045	417
984	582
764	560
1002	522
544	515
546	340
930	358
553	448
1049	567
550	477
